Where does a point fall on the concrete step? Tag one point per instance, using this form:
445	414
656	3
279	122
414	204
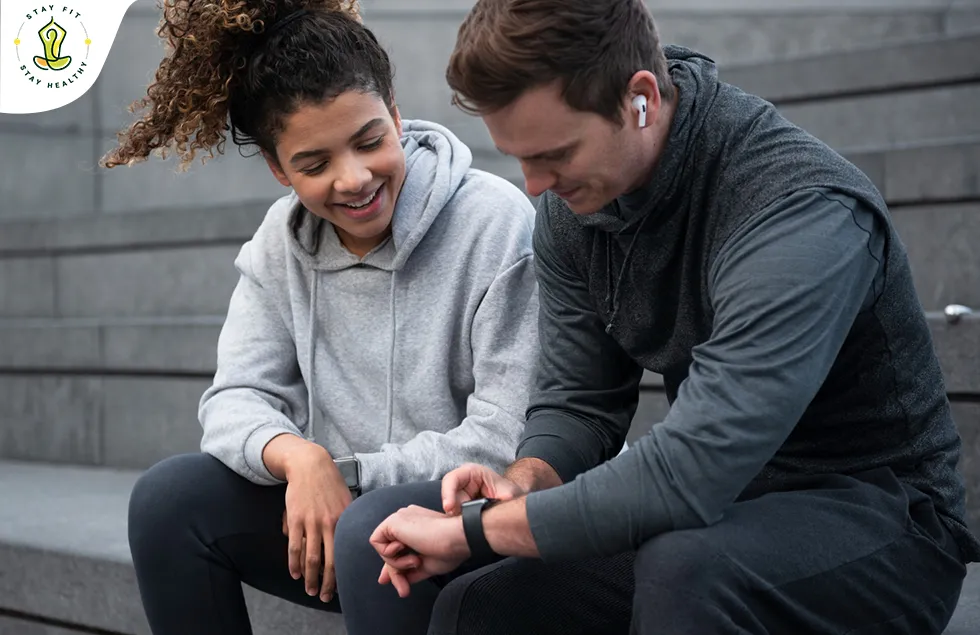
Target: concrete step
186	347
117	421
924	172
943	243
730	32
178	280
65	560
148	346
895	94
913	116
958	343
64	557
939	171
80	275
110	233
889	68
73	402
419	37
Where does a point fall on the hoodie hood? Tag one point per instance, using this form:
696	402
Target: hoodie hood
414	359
436	162
696	78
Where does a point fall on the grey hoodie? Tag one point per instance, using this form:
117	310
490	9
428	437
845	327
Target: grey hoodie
419	356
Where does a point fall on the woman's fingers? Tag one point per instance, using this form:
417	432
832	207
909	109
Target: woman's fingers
328	583
295	550
312	559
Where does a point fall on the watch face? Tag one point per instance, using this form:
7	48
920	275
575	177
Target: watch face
349	470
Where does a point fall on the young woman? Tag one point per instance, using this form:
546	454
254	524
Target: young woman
384	320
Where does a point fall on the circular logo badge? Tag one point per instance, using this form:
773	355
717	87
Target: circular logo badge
52	46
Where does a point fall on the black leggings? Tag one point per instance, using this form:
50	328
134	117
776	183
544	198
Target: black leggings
197	531
850	555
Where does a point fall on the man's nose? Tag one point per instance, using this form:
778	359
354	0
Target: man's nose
537	182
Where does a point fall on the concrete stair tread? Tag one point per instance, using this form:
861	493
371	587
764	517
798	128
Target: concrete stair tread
185	346
66	555
75	519
924	171
197	279
932	61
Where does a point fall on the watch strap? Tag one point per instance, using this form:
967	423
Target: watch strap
476	539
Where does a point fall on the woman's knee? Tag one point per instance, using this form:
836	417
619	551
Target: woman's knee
167	495
362	517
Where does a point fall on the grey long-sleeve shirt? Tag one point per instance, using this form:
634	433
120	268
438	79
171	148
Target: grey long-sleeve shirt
785	290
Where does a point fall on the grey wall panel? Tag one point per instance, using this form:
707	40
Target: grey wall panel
45	174
27	287
190	281
942	247
55	419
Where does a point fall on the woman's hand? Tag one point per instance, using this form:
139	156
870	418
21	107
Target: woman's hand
316	496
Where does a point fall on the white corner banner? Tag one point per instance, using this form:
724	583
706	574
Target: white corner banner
52	53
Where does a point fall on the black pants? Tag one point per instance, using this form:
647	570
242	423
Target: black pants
844	555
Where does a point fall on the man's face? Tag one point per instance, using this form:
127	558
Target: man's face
581	157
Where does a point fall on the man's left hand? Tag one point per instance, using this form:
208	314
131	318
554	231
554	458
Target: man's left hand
417	543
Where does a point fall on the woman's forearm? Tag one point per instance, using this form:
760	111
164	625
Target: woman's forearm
285	451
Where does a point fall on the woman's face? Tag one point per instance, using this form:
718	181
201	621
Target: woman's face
345	161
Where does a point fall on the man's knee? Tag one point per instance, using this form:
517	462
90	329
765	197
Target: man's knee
464	603
681	559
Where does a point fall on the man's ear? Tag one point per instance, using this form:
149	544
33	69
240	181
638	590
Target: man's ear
276	170
643	84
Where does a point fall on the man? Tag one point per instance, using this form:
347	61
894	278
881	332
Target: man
805	479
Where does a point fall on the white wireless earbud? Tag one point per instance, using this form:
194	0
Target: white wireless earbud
640	103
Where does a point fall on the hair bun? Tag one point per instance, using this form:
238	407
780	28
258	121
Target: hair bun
350	7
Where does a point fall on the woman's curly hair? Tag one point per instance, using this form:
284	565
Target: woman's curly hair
244	65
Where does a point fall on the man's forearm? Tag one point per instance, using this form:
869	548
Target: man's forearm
507	530
533	474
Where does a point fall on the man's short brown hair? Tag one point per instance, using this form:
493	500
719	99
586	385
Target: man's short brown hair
593	47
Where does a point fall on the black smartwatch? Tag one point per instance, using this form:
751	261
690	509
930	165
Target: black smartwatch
472	514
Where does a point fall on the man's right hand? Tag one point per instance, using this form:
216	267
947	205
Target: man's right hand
470	482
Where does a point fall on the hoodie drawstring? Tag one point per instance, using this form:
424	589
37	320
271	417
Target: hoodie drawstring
613	290
390	401
311	349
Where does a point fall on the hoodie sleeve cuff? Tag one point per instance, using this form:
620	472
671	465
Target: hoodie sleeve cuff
374	473
255	444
